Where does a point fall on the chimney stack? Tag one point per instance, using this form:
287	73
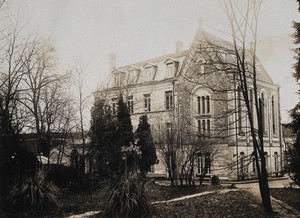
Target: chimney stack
178	47
112	62
200	23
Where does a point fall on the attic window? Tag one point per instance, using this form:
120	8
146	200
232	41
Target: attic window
170	70
149	71
132	75
148	74
119	77
171	67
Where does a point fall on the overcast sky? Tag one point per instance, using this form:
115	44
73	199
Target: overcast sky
88	30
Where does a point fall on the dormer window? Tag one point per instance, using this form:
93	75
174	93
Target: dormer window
171	67
119	77
133	73
170	70
149	72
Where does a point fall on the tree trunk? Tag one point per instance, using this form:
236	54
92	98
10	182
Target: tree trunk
264	186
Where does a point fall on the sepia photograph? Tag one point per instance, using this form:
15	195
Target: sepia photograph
149	108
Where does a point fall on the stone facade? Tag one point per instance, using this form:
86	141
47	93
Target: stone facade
174	90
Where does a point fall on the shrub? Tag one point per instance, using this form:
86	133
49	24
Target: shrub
215	180
127	200
32	194
62	176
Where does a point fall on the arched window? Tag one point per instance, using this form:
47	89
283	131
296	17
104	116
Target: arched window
242	166
273	116
262	104
251	102
199	104
276	162
267	160
208	104
253	159
200	64
202	102
239	111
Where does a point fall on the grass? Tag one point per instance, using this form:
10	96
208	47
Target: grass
231	204
290	196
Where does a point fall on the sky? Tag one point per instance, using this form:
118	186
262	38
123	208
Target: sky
86	31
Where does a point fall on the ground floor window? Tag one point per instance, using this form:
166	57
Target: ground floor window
203	164
242	166
253	165
276	162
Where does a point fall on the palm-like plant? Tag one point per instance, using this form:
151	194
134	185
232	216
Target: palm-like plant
32	193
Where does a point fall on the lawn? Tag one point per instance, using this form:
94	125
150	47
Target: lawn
290	196
234	203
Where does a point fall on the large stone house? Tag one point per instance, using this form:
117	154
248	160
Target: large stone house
181	99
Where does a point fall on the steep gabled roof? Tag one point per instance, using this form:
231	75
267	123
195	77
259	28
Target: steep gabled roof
203	36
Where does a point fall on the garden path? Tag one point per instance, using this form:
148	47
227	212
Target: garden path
280	208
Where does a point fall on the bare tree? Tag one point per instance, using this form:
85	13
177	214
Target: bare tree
230	70
82	105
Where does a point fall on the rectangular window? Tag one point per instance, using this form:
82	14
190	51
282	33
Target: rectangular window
199	126
207	163
114	106
203	164
169	100
204	126
199	165
208	126
130	104
147	102
169	129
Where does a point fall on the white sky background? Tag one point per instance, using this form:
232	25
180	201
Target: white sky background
88	30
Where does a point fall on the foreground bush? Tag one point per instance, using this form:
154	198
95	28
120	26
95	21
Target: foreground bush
32	194
127	200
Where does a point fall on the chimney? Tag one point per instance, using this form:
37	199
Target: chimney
200	23
178	47
112	62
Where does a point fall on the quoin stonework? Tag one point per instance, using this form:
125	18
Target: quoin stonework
198	110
